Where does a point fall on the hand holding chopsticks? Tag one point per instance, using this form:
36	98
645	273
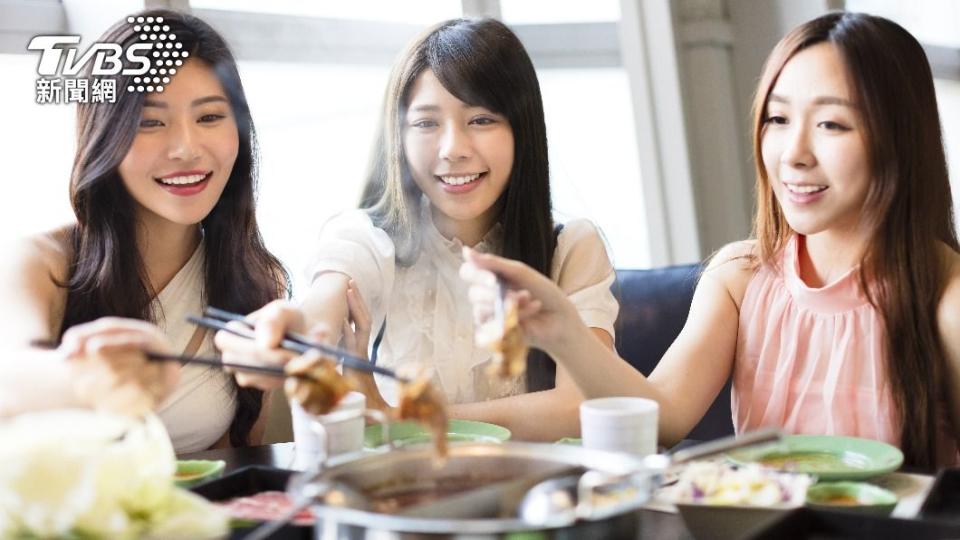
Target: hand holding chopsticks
217	319
187	359
107	368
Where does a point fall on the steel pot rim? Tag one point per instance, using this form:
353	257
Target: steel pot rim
608	462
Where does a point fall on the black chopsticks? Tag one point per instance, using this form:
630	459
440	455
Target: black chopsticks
184	359
214	318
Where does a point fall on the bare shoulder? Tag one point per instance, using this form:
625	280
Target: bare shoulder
732	266
948	310
42	256
733	254
948	314
32	274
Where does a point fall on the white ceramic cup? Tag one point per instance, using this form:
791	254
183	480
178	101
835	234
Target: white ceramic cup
620	424
341	431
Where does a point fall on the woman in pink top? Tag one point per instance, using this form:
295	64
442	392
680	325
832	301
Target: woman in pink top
840	315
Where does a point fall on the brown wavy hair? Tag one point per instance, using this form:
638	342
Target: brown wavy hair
908	210
106	272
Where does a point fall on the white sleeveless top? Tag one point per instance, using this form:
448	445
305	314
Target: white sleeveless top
203	404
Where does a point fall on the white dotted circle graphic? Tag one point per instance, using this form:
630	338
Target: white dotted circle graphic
164	46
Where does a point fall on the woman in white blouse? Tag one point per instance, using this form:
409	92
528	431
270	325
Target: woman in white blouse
163	194
461	161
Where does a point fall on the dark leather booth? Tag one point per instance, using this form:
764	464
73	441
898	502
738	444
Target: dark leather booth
654	305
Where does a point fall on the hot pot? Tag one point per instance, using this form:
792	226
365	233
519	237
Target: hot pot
409	475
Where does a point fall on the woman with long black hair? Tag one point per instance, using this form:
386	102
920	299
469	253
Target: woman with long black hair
163	190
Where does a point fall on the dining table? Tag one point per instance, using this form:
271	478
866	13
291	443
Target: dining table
657	521
653	524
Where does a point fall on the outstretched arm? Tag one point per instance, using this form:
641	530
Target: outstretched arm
688	377
100	364
948	322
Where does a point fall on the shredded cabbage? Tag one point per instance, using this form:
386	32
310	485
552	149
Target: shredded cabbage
717	483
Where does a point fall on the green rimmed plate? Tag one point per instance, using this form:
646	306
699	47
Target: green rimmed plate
824	456
571	441
407	433
194	471
858	497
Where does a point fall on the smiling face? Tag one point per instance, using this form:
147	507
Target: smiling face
813	146
460	155
184	149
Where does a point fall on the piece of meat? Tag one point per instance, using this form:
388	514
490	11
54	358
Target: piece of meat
266	506
507	344
313	381
421	402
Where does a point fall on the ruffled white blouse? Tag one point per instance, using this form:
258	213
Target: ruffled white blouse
429	319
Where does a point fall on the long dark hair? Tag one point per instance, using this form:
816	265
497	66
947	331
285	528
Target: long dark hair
482	63
106	272
908	208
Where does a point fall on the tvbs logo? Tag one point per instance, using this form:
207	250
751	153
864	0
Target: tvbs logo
106	56
151	60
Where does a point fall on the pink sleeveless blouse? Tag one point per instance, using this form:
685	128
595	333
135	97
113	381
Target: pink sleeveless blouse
812	361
